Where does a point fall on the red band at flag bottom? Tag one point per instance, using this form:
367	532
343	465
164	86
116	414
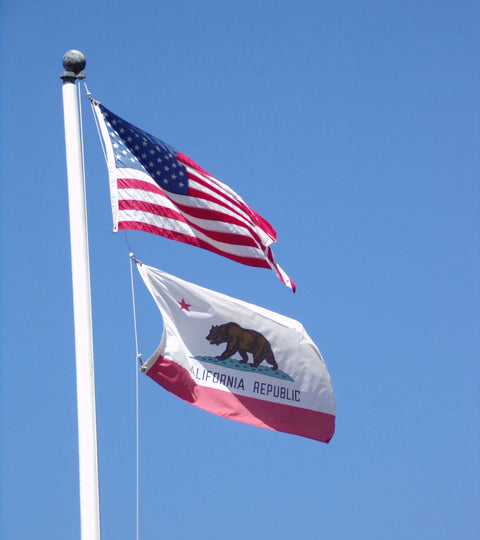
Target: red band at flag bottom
266	414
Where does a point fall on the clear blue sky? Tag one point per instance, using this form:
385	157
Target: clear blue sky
353	127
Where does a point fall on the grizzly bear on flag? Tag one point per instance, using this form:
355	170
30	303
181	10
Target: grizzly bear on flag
243	341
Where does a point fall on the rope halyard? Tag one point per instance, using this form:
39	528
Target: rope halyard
89	94
138	361
93	103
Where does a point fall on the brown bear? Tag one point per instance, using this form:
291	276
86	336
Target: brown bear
243	341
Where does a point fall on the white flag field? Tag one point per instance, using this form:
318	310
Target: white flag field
238	360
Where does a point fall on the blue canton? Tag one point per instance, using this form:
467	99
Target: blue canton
136	149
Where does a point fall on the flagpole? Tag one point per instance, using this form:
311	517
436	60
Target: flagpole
74	63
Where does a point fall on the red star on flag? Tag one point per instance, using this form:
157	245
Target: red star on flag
184	305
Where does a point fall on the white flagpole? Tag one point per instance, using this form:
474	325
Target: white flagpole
74	63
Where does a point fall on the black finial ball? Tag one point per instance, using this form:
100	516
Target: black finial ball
74	61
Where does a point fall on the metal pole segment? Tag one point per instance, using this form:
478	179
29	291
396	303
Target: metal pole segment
74	62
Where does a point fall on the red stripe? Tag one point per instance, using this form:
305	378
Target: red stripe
212	215
216	215
162	211
276	416
134	183
273	263
226	199
193	241
201	213
190	163
198	194
242	206
265	225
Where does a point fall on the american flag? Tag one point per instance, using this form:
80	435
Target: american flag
157	189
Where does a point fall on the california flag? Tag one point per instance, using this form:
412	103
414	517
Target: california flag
238	360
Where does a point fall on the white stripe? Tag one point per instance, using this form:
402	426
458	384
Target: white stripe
239	204
215	182
225	195
280	274
165	202
135	174
180	227
221	197
169	200
194	202
131	194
